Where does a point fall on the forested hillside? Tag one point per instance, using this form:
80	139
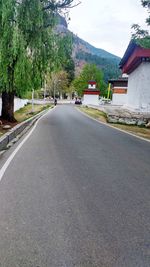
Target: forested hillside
83	53
109	66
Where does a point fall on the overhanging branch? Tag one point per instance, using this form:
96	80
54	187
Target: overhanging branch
64	4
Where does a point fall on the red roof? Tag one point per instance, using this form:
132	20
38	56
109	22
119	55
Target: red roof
134	55
91	92
91	82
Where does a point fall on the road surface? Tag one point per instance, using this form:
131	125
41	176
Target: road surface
76	194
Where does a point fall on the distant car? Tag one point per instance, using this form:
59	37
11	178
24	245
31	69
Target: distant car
78	102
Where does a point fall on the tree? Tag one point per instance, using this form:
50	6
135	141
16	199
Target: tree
89	72
139	33
20	50
58	5
108	66
14	62
65	54
57	83
61	64
25	46
146	4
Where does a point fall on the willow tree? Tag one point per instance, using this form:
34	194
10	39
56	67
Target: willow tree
37	32
18	64
13	58
65	54
25	46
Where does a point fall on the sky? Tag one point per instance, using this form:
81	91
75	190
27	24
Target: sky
107	24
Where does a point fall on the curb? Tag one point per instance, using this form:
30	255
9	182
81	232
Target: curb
19	130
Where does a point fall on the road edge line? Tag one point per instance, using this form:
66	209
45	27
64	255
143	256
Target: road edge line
10	158
111	126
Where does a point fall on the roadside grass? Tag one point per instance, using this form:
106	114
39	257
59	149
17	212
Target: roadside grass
26	112
101	116
94	113
2	132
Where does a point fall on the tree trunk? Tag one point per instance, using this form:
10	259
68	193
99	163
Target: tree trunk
8	106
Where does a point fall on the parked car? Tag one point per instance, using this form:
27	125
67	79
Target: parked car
78	101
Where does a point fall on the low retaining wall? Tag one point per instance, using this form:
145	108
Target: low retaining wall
139	120
19	129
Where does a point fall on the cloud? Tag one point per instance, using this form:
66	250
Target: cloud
107	24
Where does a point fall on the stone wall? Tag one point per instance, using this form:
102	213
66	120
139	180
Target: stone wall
129	118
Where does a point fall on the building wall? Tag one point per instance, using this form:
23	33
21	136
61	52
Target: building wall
138	95
119	99
92	86
120	90
91	99
18	103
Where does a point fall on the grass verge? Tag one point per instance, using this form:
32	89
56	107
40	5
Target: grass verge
24	114
101	116
94	113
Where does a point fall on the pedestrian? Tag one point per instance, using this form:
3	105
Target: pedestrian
55	101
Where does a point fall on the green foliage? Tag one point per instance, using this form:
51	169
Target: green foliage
145	3
139	33
18	64
89	72
61	60
69	67
64	54
144	42
28	47
95	51
108	66
57	82
8	46
30	20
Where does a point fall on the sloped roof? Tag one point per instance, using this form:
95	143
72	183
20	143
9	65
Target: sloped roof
92	82
120	79
130	49
134	55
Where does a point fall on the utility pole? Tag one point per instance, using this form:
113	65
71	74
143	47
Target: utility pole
32	100
44	89
54	88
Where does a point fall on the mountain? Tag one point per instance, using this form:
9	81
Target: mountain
95	51
83	53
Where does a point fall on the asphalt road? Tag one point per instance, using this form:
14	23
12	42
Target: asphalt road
77	194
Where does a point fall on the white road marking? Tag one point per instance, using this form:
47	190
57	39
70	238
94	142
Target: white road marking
111	126
8	161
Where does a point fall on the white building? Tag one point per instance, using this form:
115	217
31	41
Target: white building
136	63
91	95
119	90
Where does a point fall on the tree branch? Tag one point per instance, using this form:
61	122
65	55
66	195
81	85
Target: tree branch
146	3
63	4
